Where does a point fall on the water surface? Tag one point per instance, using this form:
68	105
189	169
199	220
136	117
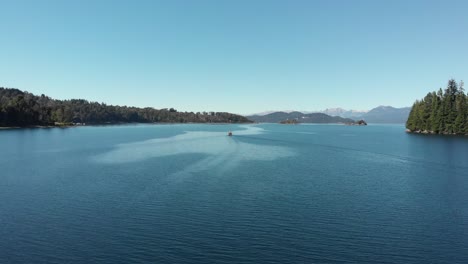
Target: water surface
269	194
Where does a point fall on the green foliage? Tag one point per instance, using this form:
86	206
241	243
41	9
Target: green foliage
290	122
444	112
18	108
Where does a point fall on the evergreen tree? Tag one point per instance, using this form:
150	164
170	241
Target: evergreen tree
434	117
450	110
410	123
442	112
18	108
460	106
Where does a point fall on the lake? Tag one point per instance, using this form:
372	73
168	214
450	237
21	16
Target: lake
269	194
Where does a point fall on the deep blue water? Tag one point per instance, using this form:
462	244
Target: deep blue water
269	194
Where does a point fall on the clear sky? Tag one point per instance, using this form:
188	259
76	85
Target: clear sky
241	56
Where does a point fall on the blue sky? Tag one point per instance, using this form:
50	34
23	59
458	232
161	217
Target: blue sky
238	56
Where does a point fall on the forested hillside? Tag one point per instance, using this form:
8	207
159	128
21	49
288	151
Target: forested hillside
441	112
277	117
18	108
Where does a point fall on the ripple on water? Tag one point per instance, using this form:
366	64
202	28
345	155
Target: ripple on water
220	150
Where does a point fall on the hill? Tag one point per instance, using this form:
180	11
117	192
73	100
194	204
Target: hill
300	117
18	108
380	114
387	114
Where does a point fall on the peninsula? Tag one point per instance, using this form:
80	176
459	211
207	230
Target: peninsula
23	109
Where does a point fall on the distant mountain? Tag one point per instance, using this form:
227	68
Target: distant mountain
275	111
277	117
380	114
387	114
343	112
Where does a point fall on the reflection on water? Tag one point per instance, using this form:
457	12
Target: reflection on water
220	149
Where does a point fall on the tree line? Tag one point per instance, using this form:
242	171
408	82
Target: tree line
18	108
441	112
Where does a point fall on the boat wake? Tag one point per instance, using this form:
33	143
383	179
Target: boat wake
222	152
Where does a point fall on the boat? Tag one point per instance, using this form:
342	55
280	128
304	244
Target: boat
230	133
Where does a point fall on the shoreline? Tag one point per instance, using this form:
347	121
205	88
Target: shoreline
118	124
425	132
29	127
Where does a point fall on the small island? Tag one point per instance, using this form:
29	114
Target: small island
442	112
361	123
289	122
357	123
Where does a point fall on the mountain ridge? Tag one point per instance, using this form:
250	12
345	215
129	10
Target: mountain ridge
319	118
379	114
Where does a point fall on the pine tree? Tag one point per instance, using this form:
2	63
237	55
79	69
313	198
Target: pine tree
410	123
426	112
442	112
434	118
451	113
460	122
